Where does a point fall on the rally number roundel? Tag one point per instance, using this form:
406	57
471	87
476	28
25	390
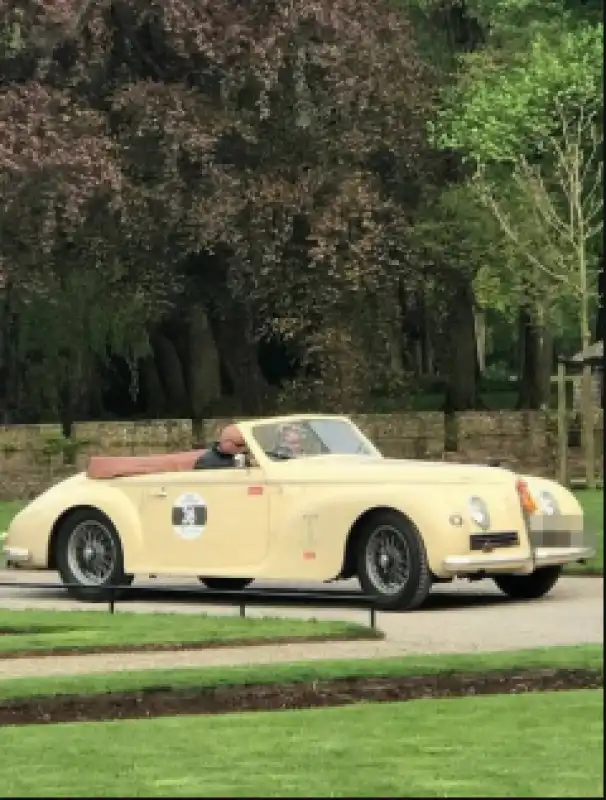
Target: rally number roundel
189	515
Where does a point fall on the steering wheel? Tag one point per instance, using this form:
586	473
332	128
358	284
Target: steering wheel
279	454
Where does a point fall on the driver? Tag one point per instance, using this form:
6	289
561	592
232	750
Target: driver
222	453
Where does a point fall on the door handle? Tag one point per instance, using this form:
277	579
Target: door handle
159	493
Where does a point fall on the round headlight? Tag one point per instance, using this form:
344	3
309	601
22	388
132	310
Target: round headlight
478	511
548	504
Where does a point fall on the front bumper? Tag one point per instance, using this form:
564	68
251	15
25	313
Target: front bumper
539	557
15	556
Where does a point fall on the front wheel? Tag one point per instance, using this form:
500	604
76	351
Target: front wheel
392	562
90	558
226	584
529	587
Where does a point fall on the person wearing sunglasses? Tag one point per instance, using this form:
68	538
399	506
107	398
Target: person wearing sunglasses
223	452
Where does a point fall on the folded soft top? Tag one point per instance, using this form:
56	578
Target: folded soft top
105	467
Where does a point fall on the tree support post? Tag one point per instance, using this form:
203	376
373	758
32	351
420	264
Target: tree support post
562	425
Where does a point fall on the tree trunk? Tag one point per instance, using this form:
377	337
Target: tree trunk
8	366
480	328
396	363
600	315
536	355
171	375
67	404
204	375
462	357
238	353
428	357
93	399
419	370
4	353
151	388
385	352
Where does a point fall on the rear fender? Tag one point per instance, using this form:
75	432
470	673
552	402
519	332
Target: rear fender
117	507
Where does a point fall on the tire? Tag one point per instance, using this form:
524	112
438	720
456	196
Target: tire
71	560
226	584
529	587
398	533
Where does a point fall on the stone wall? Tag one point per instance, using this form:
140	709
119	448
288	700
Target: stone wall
32	457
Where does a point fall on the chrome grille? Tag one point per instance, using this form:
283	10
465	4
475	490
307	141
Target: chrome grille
482	541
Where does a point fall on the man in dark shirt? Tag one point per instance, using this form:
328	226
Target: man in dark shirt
222	453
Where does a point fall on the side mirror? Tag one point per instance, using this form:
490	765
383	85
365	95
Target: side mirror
240	460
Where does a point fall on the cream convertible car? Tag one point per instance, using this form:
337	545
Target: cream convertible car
334	509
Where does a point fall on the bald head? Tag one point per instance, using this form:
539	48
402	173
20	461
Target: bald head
231	440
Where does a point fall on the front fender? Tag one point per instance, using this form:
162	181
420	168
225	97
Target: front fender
565	499
321	523
568	527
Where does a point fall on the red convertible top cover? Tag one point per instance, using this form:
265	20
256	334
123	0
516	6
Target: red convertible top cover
105	467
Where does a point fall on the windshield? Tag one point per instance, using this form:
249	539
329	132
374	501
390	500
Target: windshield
311	437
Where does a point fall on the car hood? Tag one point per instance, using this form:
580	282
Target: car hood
345	469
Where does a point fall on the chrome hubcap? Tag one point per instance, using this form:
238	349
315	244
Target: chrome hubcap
91	553
388	560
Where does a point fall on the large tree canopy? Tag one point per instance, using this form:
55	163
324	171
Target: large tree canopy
204	200
248	156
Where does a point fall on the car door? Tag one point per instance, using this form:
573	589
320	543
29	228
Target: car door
205	520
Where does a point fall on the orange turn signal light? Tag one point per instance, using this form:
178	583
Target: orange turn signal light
526	499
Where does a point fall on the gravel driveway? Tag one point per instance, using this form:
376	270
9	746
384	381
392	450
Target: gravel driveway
458	618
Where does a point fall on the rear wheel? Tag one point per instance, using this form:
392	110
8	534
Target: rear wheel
89	557
529	587
226	584
392	562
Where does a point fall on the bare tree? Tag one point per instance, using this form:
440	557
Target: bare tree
557	223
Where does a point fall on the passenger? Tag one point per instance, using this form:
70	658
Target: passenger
290	441
223	453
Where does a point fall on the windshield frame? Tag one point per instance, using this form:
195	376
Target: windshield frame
306	422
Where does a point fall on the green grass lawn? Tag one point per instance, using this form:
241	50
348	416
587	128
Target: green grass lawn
589	656
8	509
592	501
56	630
526	745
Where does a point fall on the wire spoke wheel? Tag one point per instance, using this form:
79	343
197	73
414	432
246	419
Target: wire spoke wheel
388	560
91	553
